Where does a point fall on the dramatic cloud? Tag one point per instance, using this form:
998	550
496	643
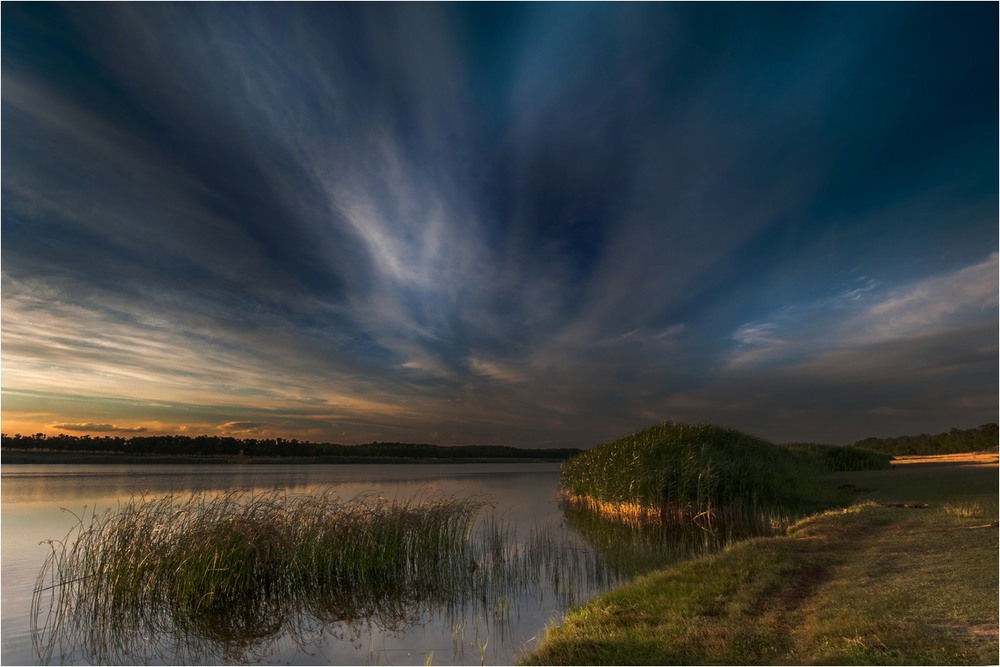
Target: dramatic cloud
524	224
946	301
91	427
861	318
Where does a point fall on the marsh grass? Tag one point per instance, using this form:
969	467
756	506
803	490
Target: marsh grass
697	473
229	570
242	576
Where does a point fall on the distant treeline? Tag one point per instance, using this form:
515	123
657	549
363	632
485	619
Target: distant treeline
218	446
955	440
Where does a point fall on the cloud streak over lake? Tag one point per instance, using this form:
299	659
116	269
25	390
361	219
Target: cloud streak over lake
520	224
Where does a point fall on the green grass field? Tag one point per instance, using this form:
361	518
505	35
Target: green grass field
868	584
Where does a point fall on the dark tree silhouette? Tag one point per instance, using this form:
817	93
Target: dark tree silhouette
950	442
221	446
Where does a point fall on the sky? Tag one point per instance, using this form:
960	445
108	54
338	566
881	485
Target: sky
531	224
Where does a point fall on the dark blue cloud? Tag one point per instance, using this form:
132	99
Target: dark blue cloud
525	223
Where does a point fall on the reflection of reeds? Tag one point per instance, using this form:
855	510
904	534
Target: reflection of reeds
747	519
639	540
241	566
241	577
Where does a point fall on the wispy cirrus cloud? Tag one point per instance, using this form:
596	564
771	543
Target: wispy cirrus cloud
859	317
942	301
352	222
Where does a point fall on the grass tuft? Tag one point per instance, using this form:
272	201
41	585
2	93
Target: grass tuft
969	510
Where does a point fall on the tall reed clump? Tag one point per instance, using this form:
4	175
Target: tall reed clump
240	564
690	472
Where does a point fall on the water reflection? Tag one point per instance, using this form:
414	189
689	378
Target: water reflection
245	634
625	549
497	570
534	559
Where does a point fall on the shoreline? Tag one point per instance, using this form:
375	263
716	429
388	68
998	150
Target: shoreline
876	582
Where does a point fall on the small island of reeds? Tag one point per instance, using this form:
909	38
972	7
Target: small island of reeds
706	474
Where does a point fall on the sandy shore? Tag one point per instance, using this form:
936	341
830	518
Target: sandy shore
973	458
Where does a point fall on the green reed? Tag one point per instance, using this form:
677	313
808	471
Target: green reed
244	565
697	473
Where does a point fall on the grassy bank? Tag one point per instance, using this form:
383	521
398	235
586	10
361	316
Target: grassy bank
871	584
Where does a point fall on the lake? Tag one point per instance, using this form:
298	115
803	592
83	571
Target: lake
562	559
40	503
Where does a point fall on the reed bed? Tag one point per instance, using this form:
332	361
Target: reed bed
234	578
693	473
244	565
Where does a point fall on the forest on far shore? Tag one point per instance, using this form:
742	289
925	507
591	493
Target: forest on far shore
955	440
949	442
222	446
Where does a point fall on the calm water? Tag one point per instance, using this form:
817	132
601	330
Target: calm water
40	503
